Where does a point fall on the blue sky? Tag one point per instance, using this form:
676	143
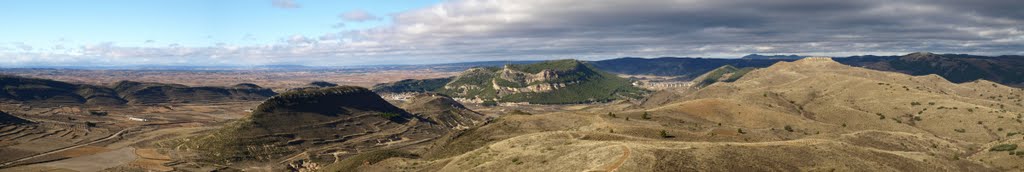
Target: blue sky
40	23
304	32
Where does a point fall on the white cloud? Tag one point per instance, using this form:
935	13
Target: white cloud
286	4
357	16
461	30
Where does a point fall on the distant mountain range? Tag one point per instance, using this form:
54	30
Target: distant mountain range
50	92
788	57
1008	70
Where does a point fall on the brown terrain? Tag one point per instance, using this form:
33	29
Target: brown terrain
274	79
809	115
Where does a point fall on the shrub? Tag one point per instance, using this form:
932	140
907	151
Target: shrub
789	128
664	134
489	103
612	115
519	112
740	130
960	130
1003	147
389	115
645	116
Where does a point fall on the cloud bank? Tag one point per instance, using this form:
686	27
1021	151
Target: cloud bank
473	30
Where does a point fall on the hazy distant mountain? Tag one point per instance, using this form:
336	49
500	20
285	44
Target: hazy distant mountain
785	57
683	67
957	68
50	92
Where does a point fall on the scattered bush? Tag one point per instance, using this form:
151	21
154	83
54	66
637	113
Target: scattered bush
489	103
1003	147
519	112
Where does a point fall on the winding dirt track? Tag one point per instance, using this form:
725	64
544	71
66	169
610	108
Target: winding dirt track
622	159
112	136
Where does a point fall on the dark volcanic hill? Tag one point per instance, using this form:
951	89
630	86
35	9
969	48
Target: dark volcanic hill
50	92
149	93
44	91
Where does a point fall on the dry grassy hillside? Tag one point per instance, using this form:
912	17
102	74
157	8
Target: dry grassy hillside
809	115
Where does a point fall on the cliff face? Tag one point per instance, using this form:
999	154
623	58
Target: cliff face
551	82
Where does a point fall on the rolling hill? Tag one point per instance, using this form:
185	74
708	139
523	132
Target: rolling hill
316	125
813	114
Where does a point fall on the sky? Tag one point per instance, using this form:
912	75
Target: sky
355	32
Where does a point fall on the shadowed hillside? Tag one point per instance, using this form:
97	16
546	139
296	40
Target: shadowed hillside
43	91
149	93
49	92
8	119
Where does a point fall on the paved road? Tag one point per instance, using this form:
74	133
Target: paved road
112	136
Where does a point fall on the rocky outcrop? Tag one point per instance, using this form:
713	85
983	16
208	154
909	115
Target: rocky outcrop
560	81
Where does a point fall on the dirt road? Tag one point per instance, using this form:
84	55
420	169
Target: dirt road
112	136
